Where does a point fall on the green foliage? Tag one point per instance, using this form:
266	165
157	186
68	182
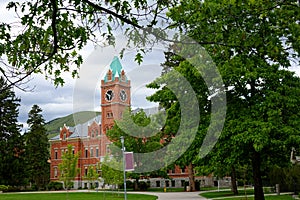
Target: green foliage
288	178
3	188
75	195
143	185
252	44
54	32
92	174
112	171
193	101
12	165
68	167
139	132
37	149
129	185
55	186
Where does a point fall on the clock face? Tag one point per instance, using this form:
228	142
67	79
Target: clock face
109	95
123	95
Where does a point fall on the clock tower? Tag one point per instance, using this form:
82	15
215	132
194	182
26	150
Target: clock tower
115	94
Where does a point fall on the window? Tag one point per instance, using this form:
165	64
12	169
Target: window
73	151
173	183
183	170
55	172
182	183
86	152
64	136
97	152
107	149
157	183
92	133
85	171
167	184
55	155
173	171
92	152
109	115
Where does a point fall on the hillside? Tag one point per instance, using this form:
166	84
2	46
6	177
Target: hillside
54	126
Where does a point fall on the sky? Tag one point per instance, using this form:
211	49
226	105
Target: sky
83	94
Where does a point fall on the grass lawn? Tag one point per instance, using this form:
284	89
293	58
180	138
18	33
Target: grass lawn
74	196
275	197
226	193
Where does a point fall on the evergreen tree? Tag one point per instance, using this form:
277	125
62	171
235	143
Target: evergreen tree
37	148
11	141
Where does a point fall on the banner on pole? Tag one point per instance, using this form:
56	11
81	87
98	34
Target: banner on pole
129	161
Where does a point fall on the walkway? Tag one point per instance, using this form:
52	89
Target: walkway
174	195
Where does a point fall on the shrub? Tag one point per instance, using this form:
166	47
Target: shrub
129	185
3	188
12	189
55	186
144	185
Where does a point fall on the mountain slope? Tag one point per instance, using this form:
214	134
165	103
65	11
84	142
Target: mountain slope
53	126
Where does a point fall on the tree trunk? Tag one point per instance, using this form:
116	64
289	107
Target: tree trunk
233	181
136	184
258	187
191	177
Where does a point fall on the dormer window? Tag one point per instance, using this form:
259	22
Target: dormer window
64	136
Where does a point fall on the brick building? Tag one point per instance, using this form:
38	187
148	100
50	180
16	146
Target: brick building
90	138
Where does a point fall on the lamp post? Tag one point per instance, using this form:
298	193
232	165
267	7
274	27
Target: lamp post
124	165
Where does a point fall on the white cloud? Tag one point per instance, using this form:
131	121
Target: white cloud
85	91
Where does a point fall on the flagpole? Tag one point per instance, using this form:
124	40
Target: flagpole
124	166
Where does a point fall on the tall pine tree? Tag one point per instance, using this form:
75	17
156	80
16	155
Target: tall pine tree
37	148
11	140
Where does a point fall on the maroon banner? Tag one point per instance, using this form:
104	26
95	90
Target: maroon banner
129	161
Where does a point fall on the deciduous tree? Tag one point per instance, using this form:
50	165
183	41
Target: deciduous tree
140	136
53	32
112	171
253	43
68	167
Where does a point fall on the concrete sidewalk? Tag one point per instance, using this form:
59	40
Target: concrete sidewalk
174	195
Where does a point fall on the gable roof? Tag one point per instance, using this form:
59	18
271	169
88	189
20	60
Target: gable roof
80	130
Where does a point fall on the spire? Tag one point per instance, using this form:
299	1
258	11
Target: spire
115	70
116	67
